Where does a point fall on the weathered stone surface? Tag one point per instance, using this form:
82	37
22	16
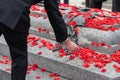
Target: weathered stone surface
80	20
66	19
34	31
103	49
43	23
109	75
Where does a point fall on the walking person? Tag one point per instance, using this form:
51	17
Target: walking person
14	25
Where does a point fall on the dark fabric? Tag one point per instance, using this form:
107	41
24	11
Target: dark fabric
95	4
66	1
87	3
116	5
23	24
56	19
0	33
100	0
11	12
17	42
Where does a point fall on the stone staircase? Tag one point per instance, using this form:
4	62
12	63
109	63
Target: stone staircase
69	69
52	62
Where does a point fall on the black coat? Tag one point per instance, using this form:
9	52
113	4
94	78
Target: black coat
11	11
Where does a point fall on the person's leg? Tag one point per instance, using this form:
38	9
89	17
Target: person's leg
0	30
87	3
18	48
116	5
66	1
96	4
0	33
59	0
113	6
17	42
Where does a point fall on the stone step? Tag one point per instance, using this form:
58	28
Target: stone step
85	36
5	70
71	69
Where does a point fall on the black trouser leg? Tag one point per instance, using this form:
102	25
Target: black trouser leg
56	19
17	42
18	48
113	6
116	5
59	0
87	4
96	4
0	33
66	1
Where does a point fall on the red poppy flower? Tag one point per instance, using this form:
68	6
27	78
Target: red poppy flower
103	70
39	53
56	78
34	67
42	69
53	75
38	77
71	57
7	69
85	65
